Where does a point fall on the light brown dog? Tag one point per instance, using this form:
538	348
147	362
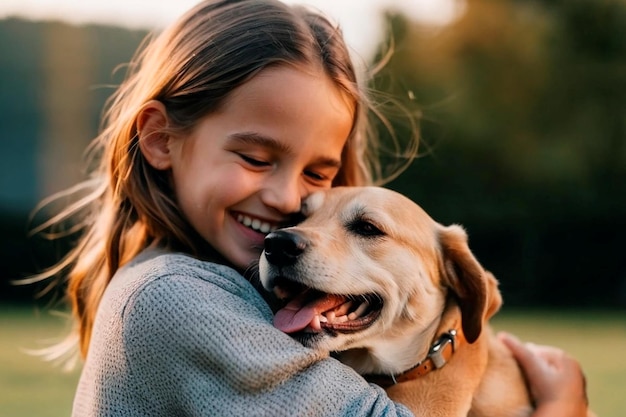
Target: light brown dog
399	297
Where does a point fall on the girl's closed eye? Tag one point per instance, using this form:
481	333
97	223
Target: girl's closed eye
253	160
321	177
315	175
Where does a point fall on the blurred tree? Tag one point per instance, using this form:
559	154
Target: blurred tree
54	79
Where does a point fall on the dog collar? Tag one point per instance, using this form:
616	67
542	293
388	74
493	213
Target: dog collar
438	355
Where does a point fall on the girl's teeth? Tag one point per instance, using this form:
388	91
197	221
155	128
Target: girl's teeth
255	224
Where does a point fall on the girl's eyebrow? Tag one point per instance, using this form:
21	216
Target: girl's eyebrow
253	138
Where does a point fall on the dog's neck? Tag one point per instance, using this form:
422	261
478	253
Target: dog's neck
445	339
440	352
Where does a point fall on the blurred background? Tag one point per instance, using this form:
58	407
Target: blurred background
523	141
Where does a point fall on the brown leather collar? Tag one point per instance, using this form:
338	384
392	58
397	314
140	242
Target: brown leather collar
439	354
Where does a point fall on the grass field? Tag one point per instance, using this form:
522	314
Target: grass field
30	387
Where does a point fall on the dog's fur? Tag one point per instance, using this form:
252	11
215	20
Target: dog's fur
421	280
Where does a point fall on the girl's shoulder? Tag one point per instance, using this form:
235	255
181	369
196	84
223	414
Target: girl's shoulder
176	277
157	264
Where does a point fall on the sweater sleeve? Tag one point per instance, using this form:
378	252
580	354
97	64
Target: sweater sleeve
205	347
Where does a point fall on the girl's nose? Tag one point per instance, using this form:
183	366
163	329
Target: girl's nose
283	194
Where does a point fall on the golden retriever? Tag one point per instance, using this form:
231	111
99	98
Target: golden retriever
399	298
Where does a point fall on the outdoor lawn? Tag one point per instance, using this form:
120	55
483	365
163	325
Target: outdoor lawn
30	387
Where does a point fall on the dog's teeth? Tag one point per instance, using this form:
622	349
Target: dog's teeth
341	319
360	310
315	324
330	316
343	309
322	318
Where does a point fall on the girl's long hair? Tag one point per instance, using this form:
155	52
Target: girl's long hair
192	67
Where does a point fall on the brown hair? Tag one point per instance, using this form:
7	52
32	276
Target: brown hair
191	68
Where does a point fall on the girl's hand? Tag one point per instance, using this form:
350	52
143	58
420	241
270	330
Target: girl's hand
556	381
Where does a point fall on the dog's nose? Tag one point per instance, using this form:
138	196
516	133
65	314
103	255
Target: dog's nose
282	248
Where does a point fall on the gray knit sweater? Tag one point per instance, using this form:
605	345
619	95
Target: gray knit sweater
174	336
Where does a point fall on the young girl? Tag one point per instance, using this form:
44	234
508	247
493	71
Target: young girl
226	121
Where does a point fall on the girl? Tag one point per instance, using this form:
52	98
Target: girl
226	121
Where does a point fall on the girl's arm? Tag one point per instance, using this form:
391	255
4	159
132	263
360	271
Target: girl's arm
205	345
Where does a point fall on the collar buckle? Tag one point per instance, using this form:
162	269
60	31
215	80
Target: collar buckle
438	351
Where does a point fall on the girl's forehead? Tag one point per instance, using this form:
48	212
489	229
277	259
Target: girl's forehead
289	89
289	107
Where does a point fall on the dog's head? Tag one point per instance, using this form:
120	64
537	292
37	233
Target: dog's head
369	264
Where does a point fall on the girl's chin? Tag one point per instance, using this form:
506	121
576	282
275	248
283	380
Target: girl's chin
244	264
249	246
243	258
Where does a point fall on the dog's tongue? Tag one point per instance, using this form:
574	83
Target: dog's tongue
298	314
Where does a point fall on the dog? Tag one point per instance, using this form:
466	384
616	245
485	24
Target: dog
372	277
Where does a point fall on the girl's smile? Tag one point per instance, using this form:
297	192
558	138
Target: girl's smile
253	229
258	225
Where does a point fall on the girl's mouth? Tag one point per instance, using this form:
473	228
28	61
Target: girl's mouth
258	225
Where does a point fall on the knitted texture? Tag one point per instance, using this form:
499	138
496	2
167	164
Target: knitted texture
175	336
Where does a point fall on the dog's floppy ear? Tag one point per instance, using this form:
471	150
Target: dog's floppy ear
494	298
466	278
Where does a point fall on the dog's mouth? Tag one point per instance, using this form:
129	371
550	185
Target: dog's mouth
312	311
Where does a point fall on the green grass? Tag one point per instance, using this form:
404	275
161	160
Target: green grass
31	387
28	385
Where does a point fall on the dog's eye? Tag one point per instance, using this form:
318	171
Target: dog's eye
364	228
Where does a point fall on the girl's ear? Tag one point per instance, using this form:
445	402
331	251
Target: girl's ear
153	141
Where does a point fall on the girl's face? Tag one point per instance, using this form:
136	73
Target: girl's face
245	169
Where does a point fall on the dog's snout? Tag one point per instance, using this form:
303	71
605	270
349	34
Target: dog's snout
282	248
